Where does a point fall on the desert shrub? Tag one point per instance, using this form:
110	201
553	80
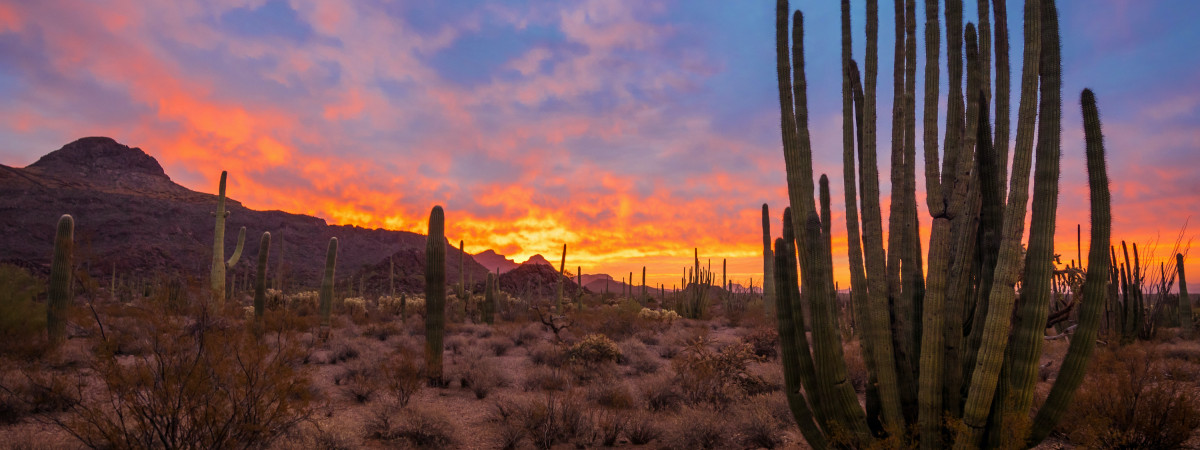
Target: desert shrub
499	345
700	427
529	334
546	353
715	377
620	321
403	375
764	341
545	421
482	375
609	425
359	381
592	351
22	320
545	379
201	386
635	355
1128	402
456	344
382	331
642	428
756	427
661	393
612	393
413	427
25	391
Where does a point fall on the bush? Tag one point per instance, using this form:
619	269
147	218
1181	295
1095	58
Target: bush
1128	402
642	428
545	422
358	381
416	427
403	375
661	393
482	375
499	345
764	341
612	393
700	428
201	386
716	377
547	354
22	321
545	379
593	352
635	355
756	427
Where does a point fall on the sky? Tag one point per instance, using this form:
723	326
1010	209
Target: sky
632	131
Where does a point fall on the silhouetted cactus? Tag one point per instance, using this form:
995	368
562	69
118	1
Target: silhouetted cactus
260	276
58	295
488	311
325	307
562	269
768	262
929	361
435	295
1185	301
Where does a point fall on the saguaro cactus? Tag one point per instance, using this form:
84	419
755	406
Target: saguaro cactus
260	276
59	292
219	264
326	295
768	262
489	300
562	270
936	364
1185	302
435	295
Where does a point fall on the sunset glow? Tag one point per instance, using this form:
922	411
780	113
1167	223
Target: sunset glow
633	132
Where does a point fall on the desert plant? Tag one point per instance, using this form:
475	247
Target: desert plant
200	386
219	263
435	295
488	309
326	294
1185	301
22	320
975	353
260	277
59	293
768	261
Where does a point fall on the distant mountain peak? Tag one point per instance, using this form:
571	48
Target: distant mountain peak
97	154
538	259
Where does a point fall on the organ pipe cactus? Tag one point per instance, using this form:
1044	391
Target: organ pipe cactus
325	307
260	276
219	263
59	293
435	295
959	350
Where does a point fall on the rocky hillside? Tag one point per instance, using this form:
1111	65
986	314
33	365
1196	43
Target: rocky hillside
130	216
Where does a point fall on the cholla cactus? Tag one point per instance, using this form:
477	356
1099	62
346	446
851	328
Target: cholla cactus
355	305
664	316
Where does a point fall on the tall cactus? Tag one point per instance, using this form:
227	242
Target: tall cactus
462	273
1185	302
488	311
219	263
260	276
562	269
325	308
958	352
59	293
435	295
768	263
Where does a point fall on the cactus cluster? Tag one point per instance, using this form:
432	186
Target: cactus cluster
950	345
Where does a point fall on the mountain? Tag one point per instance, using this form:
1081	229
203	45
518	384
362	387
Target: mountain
493	261
130	216
537	280
538	260
591	278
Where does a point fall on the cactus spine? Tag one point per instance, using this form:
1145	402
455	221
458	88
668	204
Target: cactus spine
952	325
59	292
219	264
260	277
435	295
326	295
1185	302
